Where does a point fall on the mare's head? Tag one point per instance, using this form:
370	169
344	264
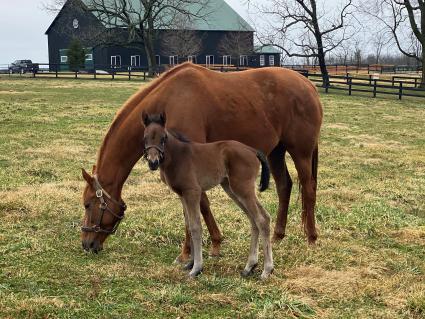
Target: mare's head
154	138
102	216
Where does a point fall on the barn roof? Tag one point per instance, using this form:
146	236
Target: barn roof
217	15
266	49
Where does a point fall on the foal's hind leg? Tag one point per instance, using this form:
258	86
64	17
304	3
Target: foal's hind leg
283	187
253	248
245	192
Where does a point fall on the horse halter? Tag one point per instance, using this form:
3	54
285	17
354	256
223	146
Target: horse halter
160	149
100	193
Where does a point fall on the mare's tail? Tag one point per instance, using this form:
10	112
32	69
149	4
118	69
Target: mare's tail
265	172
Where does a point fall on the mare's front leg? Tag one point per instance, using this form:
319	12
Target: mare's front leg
191	201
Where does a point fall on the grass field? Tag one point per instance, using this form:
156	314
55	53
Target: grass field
369	261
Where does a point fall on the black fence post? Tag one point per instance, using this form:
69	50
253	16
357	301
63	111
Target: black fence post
56	71
368	69
94	73
400	90
144	75
349	85
129	73
374	88
392	80
76	74
113	73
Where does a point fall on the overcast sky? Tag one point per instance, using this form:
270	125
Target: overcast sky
22	27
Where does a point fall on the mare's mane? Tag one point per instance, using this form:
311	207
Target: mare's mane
181	137
134	101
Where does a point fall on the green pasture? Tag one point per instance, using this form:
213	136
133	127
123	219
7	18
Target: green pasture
369	261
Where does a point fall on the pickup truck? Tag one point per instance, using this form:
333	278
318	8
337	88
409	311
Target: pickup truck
23	66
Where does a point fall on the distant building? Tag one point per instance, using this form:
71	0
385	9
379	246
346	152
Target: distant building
216	33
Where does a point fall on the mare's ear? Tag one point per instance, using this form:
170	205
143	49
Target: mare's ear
93	171
145	118
87	177
162	118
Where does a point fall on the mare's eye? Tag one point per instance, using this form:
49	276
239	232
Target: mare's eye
86	206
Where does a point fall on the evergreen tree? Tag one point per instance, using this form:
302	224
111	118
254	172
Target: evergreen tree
76	55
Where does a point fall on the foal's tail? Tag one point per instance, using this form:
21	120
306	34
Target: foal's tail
265	172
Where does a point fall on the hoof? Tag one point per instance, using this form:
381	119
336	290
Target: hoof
195	273
266	275
277	237
312	239
188	266
248	272
181	259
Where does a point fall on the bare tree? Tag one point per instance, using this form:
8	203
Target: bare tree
301	29
236	43
181	40
405	20
142	18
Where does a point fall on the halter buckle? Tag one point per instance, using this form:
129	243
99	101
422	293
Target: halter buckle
99	193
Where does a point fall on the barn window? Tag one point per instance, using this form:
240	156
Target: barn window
158	59
116	60
135	60
209	60
64	58
191	58
262	60
227	59
271	60
243	60
89	57
173	60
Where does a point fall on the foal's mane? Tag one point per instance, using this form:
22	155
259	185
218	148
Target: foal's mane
132	103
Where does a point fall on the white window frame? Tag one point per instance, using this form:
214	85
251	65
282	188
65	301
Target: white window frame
262	60
271	60
208	60
243	60
191	58
89	57
64	59
135	61
227	60
173	60
114	58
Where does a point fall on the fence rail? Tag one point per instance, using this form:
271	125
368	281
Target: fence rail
397	85
370	85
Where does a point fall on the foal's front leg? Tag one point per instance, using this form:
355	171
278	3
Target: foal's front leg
191	202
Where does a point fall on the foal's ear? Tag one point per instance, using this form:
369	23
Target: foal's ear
87	176
162	118
145	118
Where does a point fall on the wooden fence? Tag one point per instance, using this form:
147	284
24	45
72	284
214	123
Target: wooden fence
396	86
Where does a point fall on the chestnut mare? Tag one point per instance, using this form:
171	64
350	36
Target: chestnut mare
274	110
190	168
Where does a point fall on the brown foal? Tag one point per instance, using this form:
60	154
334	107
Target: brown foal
192	168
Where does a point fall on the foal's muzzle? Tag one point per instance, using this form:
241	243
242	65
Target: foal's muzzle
153	165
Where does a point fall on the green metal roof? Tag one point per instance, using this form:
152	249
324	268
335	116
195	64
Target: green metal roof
266	49
217	16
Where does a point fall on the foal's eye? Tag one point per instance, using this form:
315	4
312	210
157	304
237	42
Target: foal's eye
86	206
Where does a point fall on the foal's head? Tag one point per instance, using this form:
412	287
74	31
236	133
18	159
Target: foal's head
154	138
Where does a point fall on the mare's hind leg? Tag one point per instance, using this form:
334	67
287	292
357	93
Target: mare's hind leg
253	248
303	165
283	187
213	229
